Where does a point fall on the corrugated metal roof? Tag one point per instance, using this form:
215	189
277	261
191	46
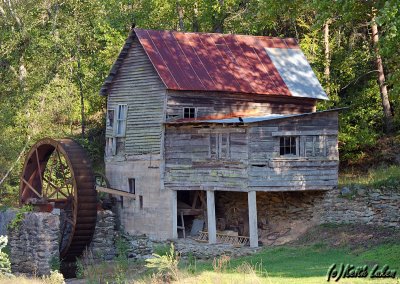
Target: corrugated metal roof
226	62
296	72
233	63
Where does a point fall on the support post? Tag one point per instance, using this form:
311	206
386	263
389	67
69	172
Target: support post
174	214
212	227
251	197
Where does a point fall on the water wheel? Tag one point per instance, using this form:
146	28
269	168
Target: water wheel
58	174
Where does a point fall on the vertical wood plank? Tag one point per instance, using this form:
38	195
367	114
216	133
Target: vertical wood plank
251	197
212	227
174	204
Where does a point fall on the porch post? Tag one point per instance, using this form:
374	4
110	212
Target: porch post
174	214
212	228
251	197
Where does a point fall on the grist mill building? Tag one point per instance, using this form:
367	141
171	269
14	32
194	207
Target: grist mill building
217	127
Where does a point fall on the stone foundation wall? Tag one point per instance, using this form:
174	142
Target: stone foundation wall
103	242
371	207
34	244
5	218
283	216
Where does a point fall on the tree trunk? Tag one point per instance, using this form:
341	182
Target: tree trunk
195	25
218	20
327	71
83	122
180	15
381	80
79	79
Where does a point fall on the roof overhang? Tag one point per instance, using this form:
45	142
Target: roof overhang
250	120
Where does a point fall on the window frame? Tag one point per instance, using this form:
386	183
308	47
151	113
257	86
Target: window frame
132	189
290	146
122	120
110	121
189	109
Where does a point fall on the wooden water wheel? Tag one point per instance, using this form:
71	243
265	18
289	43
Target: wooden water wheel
58	174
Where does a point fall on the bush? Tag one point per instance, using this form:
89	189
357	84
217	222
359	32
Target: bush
166	265
55	277
19	217
5	265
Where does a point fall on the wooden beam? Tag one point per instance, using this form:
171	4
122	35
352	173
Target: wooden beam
116	192
174	214
251	197
295	133
212	227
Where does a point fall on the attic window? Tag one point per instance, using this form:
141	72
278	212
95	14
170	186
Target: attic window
189	112
288	145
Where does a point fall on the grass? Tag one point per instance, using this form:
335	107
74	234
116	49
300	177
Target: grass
378	178
306	264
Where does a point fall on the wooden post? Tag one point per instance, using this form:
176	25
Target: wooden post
251	198
174	214
212	227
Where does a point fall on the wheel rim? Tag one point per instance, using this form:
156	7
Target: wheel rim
58	173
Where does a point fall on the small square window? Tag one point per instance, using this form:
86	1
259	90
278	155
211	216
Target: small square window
131	182
189	112
288	145
110	118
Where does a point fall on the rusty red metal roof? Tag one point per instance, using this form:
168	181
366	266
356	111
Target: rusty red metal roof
228	63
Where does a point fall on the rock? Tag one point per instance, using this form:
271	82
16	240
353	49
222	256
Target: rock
345	191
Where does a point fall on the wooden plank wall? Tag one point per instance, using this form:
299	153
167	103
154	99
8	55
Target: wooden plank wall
312	169
192	161
253	161
222	104
138	85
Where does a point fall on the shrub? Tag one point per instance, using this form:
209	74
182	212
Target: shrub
19	217
166	265
55	277
5	265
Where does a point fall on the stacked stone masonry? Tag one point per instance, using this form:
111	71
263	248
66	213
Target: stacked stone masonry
103	242
34	244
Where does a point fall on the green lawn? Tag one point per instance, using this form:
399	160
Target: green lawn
305	264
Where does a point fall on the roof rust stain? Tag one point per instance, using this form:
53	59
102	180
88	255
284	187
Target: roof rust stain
215	62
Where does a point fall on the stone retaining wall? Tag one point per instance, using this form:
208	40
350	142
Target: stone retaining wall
103	242
6	217
34	244
371	207
283	216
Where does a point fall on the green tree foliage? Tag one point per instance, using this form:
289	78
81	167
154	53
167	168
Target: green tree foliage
54	56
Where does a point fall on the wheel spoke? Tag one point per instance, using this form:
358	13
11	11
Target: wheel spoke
31	187
50	174
39	169
57	189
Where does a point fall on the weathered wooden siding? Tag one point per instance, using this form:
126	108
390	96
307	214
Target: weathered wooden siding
200	158
314	168
222	104
246	157
138	85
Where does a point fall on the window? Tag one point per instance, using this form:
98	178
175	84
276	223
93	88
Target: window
131	182
110	118
121	120
288	145
189	112
315	146
111	146
140	201
219	146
